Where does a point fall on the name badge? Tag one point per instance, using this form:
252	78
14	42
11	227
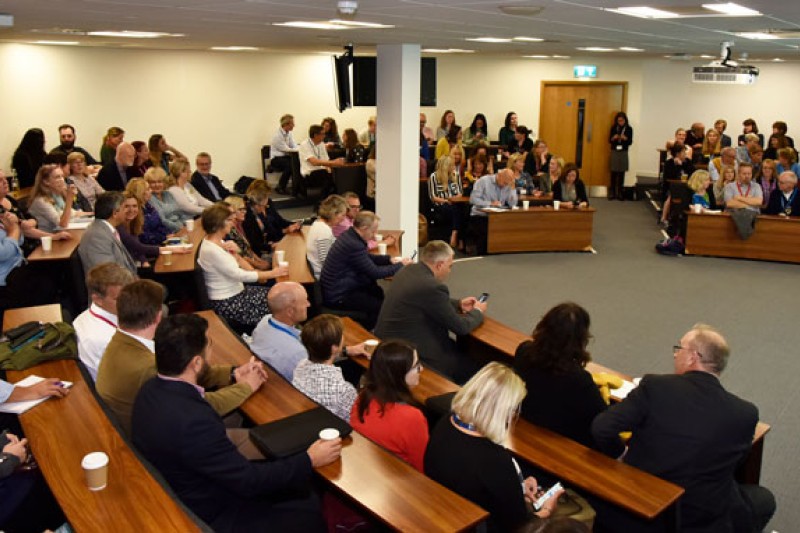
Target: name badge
619	148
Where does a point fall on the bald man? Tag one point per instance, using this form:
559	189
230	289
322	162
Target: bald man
689	430
114	175
276	339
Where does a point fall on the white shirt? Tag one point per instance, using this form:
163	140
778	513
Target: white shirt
188	199
309	149
150	344
318	241
282	142
224	278
94	333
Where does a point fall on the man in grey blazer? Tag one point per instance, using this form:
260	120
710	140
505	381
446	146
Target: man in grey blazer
418	308
100	243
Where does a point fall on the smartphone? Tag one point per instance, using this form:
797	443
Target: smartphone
483	297
538	504
414	255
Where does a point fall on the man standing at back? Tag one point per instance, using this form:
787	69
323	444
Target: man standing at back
689	430
418	308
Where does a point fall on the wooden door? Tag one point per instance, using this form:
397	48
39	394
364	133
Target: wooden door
575	119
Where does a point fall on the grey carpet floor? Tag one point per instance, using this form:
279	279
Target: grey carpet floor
641	304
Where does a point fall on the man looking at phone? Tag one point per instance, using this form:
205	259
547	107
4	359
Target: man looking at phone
418	308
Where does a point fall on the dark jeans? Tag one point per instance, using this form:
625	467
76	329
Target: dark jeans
480	227
317	178
284	164
366	300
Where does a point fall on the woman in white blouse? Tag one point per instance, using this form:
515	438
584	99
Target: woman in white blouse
225	277
320	236
186	196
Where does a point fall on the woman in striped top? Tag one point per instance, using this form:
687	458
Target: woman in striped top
443	185
320	236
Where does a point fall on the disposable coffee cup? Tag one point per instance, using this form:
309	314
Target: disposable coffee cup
47	244
556	205
526	204
378	237
283	264
697	208
280	255
329	434
370	345
190	225
382	248
167	254
522	191
95	467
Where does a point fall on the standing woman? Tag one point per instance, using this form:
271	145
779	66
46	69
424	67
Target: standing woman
111	140
29	156
385	412
506	133
620	138
467	451
52	199
447	123
225	279
190	202
478	131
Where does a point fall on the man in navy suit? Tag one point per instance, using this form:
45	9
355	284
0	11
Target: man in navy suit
114	175
206	183
689	430
178	431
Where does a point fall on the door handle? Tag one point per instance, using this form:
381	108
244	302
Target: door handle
589	132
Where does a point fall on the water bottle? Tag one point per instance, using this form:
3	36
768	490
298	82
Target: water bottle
14	180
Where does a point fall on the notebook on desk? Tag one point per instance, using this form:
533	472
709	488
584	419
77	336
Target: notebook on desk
18	408
296	433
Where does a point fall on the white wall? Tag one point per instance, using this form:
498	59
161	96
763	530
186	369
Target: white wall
229	104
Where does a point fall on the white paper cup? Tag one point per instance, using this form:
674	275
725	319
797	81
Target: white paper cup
283	264
378	237
522	191
190	225
526	204
370	345
280	255
95	467
329	434
167	254
556	205
382	248
47	244
697	208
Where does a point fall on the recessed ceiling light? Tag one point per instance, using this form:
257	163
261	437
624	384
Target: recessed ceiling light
335	24
560	57
706	56
529	39
777	60
233	48
64	43
645	12
630	49
488	39
133	34
447	51
595	49
538	57
360	24
757	35
733	10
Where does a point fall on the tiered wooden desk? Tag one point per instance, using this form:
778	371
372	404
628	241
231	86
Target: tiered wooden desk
775	238
182	262
540	229
390	489
627	487
62	431
498	342
61	250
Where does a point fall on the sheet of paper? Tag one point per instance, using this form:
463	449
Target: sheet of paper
622	392
18	408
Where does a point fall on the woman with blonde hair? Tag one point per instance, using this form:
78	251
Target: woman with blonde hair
320	236
443	185
151	229
768	179
516	163
162	200
554	168
113	137
467	450
698	183
712	145
726	176
190	202
52	199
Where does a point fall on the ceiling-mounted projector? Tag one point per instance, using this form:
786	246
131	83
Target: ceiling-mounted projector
725	70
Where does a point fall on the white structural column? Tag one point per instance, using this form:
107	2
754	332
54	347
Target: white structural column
397	156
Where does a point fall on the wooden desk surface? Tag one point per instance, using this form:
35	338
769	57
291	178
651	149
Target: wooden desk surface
394	250
61	251
182	262
294	247
635	490
42	313
392	490
775	238
62	431
540	229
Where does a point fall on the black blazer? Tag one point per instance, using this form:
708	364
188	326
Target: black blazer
110	179
531	166
273	225
179	432
775	205
580	191
202	187
688	430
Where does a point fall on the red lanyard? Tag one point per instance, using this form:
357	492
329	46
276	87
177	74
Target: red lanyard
104	319
740	190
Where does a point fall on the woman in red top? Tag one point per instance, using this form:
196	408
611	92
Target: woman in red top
385	411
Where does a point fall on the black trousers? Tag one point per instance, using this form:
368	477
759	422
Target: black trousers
367	300
284	164
317	178
480	228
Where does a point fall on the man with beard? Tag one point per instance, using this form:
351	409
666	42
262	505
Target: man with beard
66	134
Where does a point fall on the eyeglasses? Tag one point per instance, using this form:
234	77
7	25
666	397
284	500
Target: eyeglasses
678	347
355	206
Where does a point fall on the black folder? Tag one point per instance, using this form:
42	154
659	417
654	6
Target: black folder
296	433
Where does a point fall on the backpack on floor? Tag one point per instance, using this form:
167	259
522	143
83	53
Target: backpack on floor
673	246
